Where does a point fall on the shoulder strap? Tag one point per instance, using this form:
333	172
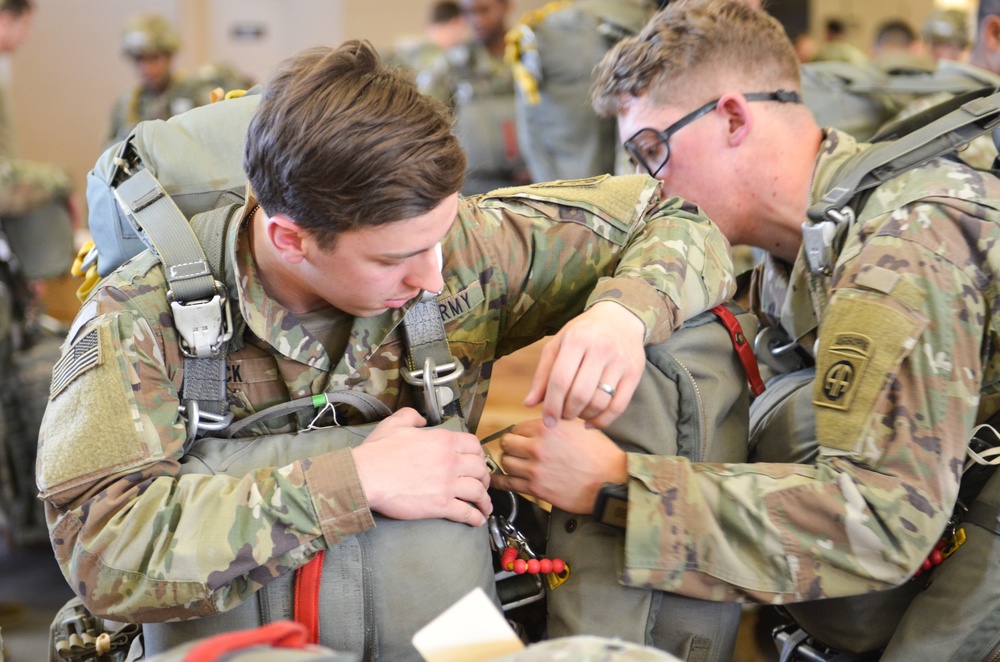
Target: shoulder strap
882	162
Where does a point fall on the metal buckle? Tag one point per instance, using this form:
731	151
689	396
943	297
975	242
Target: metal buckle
204	326
434	379
817	238
204	421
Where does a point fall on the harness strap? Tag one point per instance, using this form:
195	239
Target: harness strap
430	364
743	349
307	582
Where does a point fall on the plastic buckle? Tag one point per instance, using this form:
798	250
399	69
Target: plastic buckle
204	326
434	380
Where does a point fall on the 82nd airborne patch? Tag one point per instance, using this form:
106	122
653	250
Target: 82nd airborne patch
849	355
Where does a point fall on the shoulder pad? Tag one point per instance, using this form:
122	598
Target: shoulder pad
620	197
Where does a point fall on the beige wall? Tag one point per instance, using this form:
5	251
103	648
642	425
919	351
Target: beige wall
67	76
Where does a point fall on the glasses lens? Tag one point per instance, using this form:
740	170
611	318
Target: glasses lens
648	149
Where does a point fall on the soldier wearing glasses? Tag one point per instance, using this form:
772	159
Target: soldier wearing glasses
909	306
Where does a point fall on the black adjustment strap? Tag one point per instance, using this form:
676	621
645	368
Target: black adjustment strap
984	515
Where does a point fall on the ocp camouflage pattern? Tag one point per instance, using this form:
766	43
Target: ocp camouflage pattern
907	365
139	543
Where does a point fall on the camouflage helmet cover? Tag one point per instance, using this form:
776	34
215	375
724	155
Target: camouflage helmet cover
148	34
948	26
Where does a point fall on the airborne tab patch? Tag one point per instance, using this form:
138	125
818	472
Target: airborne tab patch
847	358
78	359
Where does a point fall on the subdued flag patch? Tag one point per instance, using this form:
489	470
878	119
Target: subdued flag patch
78	359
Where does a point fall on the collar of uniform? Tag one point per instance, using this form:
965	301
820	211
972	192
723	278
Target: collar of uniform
278	327
797	309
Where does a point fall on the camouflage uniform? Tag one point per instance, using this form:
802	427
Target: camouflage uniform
137	542
480	88
910	309
555	49
140	104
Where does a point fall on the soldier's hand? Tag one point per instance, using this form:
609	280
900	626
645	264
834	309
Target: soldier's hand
591	368
564	465
409	472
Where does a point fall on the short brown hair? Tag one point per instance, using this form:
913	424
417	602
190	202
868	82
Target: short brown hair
17	7
340	141
691	46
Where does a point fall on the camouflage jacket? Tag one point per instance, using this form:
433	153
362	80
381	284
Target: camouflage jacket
135	540
465	72
140	104
906	366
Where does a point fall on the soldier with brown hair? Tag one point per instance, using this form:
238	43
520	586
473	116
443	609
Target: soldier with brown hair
899	328
353	220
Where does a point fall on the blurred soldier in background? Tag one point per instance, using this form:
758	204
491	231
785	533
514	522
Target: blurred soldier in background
474	80
946	33
897	49
150	42
446	27
37	214
836	47
982	68
553	51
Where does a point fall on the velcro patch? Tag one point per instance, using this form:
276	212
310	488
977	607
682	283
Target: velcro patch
83	355
853	369
850	353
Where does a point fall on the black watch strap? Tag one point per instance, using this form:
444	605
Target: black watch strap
611	506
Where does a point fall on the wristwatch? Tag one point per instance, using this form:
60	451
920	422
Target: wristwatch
611	506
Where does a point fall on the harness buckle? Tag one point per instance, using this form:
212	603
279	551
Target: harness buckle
434	380
205	325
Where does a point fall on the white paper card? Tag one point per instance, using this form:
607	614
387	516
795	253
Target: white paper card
471	630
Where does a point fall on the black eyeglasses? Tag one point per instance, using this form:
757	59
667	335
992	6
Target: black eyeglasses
649	146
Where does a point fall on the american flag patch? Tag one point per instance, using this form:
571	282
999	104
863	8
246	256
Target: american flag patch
81	357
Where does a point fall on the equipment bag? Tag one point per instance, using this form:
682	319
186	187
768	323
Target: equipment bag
195	158
860	99
370	584
694	398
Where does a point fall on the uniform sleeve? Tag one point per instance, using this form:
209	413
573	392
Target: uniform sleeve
564	246
896	396
136	540
27	185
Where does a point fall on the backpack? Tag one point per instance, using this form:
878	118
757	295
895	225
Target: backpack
858	625
860	99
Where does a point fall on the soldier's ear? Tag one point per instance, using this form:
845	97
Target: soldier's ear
990	33
739	120
287	237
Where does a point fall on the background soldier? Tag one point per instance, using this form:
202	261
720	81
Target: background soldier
474	79
150	42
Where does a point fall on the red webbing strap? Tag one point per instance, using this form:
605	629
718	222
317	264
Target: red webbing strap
280	634
307	580
742	347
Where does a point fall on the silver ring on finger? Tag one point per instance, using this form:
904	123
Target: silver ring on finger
607	388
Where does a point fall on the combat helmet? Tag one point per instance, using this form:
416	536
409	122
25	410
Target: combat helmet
149	34
947	26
